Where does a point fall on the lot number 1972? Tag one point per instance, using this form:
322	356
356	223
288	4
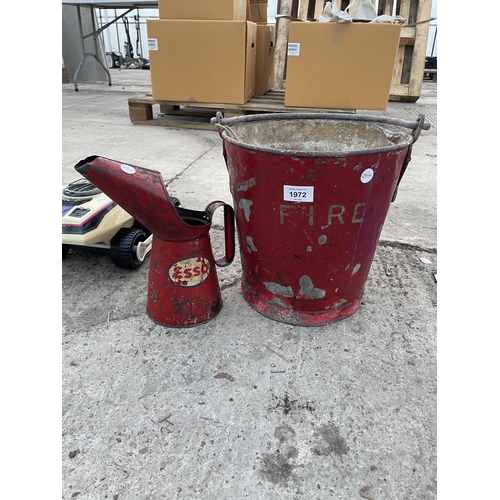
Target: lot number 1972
298	193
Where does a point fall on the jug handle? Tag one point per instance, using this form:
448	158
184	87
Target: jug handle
229	239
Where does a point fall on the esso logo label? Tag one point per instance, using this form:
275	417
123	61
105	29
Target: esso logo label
189	272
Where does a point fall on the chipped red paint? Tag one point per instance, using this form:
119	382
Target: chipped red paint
307	263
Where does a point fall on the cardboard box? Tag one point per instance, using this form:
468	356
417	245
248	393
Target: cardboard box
202	61
258	11
346	66
264	65
217	10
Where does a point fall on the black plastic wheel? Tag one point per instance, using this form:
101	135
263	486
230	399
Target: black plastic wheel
138	225
123	248
65	250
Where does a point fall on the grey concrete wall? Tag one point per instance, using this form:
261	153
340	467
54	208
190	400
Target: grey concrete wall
72	51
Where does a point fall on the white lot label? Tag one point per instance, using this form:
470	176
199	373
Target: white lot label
367	175
152	44
298	193
128	169
294	49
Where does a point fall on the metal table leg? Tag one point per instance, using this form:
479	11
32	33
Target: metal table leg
95	34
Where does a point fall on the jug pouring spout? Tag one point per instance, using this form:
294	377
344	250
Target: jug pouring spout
143	194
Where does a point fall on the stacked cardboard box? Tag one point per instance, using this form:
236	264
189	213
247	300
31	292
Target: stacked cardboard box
202	51
347	66
258	11
215	10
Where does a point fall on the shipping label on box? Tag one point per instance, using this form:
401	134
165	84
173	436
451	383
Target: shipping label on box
216	10
152	44
340	66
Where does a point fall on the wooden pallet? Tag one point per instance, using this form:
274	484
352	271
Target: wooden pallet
410	61
431	74
197	115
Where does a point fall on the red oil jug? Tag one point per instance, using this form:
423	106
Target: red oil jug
183	288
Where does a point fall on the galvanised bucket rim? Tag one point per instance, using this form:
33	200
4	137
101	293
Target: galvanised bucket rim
223	126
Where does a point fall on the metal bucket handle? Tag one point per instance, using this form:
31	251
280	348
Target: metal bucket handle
420	125
229	231
223	124
220	127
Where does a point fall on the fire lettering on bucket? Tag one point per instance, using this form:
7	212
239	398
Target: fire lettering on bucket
189	272
335	212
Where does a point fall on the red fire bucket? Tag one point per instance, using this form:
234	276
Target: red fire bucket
311	193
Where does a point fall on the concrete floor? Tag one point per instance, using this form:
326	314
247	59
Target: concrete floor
244	406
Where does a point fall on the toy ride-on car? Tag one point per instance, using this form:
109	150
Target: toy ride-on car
92	220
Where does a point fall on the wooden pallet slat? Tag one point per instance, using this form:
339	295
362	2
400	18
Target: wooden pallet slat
282	28
409	67
423	13
198	115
